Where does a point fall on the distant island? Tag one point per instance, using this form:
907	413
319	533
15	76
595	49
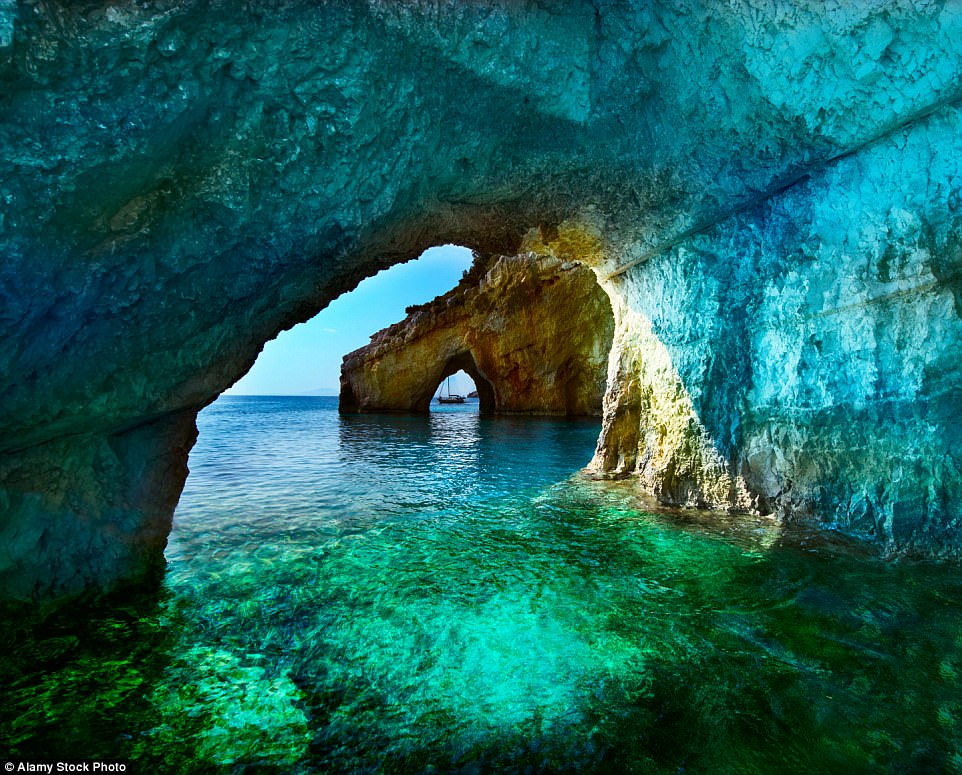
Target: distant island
324	391
315	392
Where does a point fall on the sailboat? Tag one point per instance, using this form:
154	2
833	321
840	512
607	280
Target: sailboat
450	398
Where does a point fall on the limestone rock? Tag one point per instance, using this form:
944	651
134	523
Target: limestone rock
91	507
534	334
801	356
770	187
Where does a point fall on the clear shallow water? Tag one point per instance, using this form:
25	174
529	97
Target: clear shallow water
416	594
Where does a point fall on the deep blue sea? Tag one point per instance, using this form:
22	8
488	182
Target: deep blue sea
448	593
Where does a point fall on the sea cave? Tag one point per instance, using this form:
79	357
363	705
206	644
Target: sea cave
713	320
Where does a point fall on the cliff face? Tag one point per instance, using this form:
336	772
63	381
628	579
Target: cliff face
802	357
771	192
534	334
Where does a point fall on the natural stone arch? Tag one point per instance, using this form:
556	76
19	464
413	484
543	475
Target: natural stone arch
534	332
411	389
464	361
775	217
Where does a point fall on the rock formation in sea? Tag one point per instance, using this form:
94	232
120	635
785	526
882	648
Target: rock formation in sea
770	194
534	335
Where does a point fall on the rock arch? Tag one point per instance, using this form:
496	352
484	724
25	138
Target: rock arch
464	361
775	217
397	387
534	334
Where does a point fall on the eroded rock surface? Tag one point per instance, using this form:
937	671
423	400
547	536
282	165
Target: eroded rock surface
771	189
802	356
534	335
91	507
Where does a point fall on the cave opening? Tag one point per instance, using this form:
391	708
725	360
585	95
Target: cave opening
769	193
306	360
461	377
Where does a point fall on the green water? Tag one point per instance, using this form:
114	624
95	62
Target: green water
447	594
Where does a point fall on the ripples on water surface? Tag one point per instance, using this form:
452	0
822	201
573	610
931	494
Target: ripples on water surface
445	594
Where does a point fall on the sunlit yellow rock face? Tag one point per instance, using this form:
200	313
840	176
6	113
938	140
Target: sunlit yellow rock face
534	334
652	429
769	193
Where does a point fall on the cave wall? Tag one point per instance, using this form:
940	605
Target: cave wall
90	508
802	357
534	334
182	180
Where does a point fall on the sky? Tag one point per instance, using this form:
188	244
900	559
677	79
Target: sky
307	359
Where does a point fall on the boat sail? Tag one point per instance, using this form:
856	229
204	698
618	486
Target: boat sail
450	398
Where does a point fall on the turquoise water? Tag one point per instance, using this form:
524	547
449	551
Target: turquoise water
408	594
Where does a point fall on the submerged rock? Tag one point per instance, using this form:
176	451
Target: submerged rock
770	194
534	335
